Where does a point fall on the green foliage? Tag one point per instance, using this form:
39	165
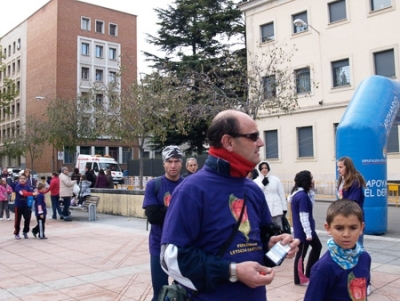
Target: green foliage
9	90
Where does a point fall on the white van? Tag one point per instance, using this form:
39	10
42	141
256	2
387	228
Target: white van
98	162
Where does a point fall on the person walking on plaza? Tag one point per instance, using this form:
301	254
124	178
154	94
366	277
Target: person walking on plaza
191	167
40	212
217	228
343	272
21	208
54	189
350	184
273	191
101	180
66	188
5	193
110	181
304	227
156	202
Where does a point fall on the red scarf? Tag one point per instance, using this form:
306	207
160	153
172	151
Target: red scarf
239	165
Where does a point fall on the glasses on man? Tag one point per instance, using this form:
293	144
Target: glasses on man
252	136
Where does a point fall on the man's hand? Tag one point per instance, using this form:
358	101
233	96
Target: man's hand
286	239
253	274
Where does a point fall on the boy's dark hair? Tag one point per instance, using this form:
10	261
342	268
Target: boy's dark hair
344	207
41	186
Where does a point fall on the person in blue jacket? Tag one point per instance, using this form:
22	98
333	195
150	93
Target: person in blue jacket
155	203
350	184
204	210
343	272
304	226
40	212
21	208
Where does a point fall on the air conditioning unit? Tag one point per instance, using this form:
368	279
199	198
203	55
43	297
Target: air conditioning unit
18	46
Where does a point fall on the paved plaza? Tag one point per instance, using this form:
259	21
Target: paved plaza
108	260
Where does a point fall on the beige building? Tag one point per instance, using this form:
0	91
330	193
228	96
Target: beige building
340	43
59	52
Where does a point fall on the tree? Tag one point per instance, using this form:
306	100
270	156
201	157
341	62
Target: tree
9	90
72	122
193	30
193	35
138	113
27	142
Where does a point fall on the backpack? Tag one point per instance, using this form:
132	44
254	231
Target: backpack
157	186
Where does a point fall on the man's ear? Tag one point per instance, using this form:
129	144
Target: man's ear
226	142
327	228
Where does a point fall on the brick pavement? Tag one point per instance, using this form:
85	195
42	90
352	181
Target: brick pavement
108	260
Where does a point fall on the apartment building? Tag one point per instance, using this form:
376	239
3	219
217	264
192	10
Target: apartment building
60	51
340	43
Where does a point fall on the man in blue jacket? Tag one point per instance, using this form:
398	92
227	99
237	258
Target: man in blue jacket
206	207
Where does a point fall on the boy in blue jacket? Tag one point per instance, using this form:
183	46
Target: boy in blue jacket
41	212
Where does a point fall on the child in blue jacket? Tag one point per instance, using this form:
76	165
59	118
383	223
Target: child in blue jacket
40	212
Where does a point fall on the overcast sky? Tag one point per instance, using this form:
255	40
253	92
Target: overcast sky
13	12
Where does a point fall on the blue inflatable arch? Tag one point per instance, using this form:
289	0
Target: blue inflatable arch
362	135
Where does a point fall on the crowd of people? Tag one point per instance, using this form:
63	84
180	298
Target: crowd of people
29	196
235	193
235	208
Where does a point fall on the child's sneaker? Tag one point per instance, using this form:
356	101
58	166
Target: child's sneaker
25	235
17	237
8	219
1	218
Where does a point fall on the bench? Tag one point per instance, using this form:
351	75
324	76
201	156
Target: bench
90	206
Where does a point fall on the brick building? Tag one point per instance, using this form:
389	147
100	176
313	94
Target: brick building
58	52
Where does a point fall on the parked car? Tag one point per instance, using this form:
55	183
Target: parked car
14	171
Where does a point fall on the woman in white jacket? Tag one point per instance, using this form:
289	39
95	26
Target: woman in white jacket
273	191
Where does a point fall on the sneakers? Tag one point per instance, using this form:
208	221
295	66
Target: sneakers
369	289
8	219
25	235
17	237
34	234
44	237
1	218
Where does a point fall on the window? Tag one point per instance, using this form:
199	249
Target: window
305	141
85	49
99	75
269	85
113	30
99	99
100	26
84	97
113	153
99	51
18	65
341	73
267	32
69	155
271	144
14	47
337	11
303	81
5	51
301	16
13	67
85	73
112	76
384	63
126	154
380	4
99	150
393	140
9	50
85	23
112	54
84	150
